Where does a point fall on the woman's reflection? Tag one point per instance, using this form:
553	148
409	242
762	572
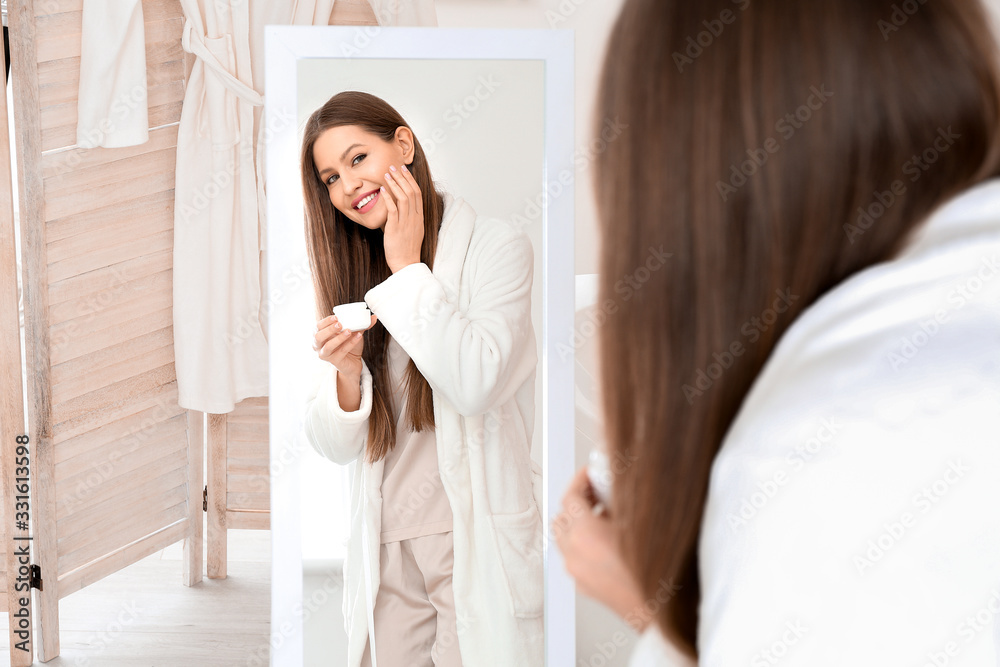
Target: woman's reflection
434	402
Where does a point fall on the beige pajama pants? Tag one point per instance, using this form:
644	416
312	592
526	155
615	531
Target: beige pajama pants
415	624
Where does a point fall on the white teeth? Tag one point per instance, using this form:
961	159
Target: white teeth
364	202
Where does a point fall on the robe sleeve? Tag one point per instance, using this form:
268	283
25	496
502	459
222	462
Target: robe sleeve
338	435
112	109
476	359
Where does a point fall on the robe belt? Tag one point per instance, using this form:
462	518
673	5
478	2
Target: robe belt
193	41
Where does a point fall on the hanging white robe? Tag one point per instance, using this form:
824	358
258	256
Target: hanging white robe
220	340
112	109
219	346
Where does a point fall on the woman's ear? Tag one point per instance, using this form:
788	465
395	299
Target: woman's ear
404	138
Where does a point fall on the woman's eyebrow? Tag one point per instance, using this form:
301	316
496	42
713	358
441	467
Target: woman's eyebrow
323	173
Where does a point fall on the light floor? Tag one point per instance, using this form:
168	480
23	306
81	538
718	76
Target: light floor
143	616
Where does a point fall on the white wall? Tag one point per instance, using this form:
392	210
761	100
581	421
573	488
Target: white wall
591	20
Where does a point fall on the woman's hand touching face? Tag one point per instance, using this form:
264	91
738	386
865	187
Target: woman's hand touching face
340	347
404	226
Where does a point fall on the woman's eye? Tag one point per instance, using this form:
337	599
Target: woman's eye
361	156
332	179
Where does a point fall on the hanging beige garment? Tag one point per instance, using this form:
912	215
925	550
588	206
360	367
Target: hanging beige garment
219	346
220	339
112	109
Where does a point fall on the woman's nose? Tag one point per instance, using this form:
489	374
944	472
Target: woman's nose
350	182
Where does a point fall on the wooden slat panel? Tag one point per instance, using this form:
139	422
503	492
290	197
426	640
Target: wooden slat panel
115	302
108	194
256	450
248	432
74	580
112	459
123	280
122	537
260	466
160	492
256	482
103	237
64	70
81	163
165	114
114	249
151	343
58	92
59	25
104	377
47	7
77	517
164	397
352	12
60	79
159	10
130	427
56	47
71	347
108	496
65	114
153	204
237	520
117	393
64	136
160	72
139	165
164	33
248	501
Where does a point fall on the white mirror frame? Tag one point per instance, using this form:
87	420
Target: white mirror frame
285	45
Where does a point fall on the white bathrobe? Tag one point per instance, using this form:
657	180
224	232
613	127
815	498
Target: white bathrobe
853	515
467	327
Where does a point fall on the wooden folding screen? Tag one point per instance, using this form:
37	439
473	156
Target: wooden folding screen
117	463
238	493
15	444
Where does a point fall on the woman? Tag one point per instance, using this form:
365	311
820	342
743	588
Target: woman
434	402
810	388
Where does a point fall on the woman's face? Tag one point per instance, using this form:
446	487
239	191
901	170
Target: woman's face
352	163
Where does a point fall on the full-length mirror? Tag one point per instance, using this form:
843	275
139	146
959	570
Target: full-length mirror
414	467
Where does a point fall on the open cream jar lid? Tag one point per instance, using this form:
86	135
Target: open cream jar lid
353	316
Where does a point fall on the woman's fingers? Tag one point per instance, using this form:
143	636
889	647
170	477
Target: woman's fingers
418	204
578	492
392	209
399	194
329	349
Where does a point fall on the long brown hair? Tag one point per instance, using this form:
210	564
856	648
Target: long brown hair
348	259
773	148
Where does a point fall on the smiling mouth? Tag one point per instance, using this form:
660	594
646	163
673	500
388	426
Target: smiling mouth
364	202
